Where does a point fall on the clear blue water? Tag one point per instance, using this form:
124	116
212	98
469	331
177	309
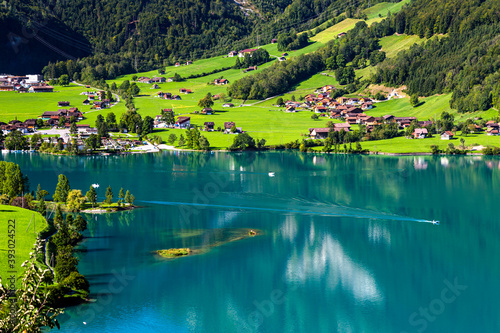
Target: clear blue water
346	247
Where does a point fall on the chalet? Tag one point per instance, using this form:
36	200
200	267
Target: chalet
404	121
251	68
183	122
86	102
274	41
185	91
158	79
209	126
144	80
365	100
352	101
41	89
365	120
219	82
227	105
207	111
232	54
290	108
342	100
30	123
388	117
320	109
327	88
281	59
491	123
367	106
284	54
242	53
99	105
351	120
425	123
351	111
337	127
342	34
155	86
65	103
448	135
91	97
492	128
176	97
420	133
319	133
228	125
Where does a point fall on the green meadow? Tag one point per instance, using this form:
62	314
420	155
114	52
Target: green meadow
24	238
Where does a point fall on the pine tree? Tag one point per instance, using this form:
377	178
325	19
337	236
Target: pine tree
42	207
62	189
91	196
109	195
127	197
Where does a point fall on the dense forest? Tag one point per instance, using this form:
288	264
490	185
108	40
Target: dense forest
466	61
127	36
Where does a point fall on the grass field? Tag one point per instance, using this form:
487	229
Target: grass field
384	8
24	239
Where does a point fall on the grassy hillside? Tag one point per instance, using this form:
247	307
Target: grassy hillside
24	239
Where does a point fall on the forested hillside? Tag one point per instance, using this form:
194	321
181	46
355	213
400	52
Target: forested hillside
466	62
125	36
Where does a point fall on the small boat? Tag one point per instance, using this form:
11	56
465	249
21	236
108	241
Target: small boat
435	222
271	174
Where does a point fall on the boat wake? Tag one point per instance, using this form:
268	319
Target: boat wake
331	210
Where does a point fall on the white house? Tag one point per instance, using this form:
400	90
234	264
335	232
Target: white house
183	122
447	135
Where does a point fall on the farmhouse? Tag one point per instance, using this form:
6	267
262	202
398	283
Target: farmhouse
185	91
448	135
207	111
158	79
183	122
227	105
319	133
420	133
65	103
242	53
232	54
219	82
209	126
274	41
41	89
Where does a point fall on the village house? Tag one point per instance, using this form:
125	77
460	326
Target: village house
492	128
189	62
185	91
41	89
227	105
242	53
342	34
448	135
86	102
155	86
209	126
183	122
207	111
158	79
177	64
219	82
274	41
251	68
367	106
319	133
420	133
320	109
352	101
281	59
63	103
230	124
232	54
144	80
337	127
404	122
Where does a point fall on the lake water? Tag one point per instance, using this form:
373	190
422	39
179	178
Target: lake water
346	243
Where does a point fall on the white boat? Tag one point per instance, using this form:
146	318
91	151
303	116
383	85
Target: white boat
435	222
271	174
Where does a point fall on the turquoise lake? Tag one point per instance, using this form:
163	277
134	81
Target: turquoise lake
346	246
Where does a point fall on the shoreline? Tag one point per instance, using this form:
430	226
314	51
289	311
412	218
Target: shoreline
172	148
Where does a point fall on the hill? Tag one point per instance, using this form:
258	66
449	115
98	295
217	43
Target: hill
125	36
23	236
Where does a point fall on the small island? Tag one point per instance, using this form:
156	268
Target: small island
173	253
210	239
